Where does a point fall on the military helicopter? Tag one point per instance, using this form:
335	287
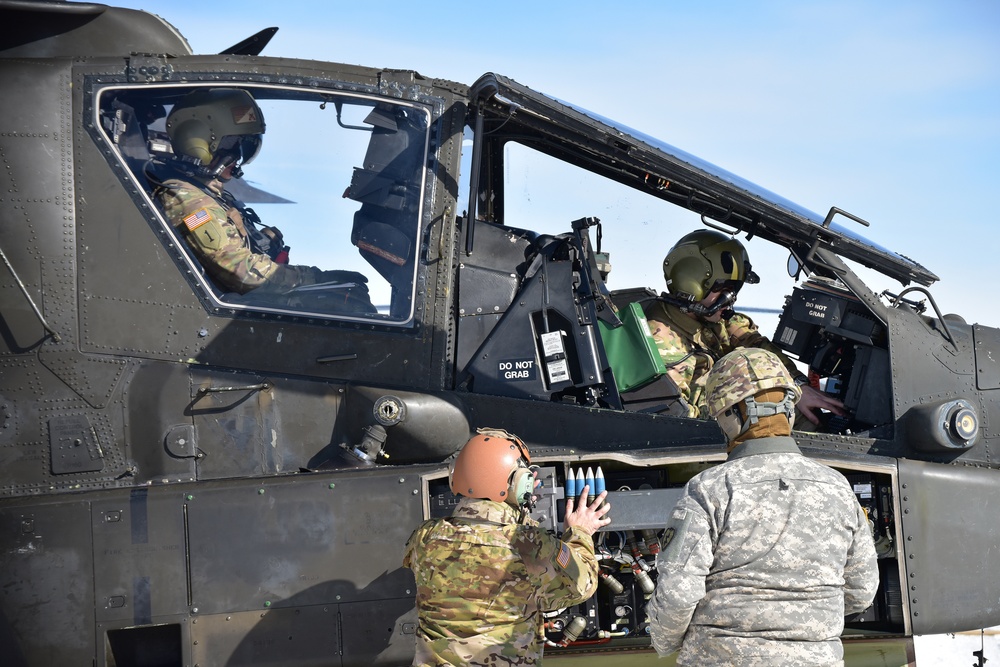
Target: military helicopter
193	476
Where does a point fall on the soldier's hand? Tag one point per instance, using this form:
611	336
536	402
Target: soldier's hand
590	518
814	400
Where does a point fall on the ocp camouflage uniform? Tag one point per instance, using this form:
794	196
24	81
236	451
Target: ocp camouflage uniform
689	348
762	558
218	237
483	581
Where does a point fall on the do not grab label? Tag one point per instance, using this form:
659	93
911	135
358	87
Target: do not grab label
517	369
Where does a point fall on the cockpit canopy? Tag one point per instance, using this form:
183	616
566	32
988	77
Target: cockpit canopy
346	169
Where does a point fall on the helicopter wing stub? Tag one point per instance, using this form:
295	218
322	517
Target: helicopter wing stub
733	203
251	46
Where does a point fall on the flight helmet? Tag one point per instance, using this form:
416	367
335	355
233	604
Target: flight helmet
737	378
705	261
494	465
216	127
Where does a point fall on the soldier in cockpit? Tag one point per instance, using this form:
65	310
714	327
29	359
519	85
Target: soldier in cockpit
214	133
694	323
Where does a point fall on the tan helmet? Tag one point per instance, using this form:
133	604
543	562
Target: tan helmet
738	377
705	260
486	467
209	122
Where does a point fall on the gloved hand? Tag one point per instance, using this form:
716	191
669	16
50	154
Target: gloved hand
337	276
274	234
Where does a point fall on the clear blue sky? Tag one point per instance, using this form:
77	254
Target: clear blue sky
889	110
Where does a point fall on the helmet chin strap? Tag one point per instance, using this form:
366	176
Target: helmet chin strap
726	298
224	162
757	410
193	167
733	424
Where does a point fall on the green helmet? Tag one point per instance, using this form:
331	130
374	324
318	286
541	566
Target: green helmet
705	260
741	375
211	123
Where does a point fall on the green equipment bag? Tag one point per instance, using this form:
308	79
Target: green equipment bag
631	350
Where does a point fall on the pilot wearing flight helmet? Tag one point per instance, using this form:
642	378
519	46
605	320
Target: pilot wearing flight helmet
694	324
214	133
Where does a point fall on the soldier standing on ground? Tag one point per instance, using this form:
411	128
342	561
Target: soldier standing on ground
487	573
766	553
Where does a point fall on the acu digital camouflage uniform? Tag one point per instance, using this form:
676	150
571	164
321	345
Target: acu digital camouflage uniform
763	556
216	233
690	347
483	581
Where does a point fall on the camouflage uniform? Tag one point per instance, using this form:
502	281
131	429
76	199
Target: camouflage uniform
763	556
483	581
218	237
690	347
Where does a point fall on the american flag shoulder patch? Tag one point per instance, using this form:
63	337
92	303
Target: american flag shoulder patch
197	219
563	557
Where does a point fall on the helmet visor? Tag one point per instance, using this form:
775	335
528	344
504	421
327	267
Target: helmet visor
244	147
